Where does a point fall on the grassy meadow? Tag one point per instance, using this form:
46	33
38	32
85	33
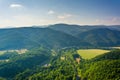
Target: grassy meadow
2	52
90	53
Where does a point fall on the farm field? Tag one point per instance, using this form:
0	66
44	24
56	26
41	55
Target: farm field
116	47
2	52
90	53
21	51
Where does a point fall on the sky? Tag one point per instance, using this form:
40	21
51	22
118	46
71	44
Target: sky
18	13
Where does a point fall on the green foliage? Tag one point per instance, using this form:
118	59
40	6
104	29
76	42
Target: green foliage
41	64
102	67
59	70
25	61
2	78
104	70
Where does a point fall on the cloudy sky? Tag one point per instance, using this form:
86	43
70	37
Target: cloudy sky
15	13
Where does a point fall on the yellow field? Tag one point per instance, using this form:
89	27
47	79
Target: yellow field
91	53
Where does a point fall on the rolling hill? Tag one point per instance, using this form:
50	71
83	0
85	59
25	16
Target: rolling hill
59	36
101	37
77	29
17	38
71	29
97	35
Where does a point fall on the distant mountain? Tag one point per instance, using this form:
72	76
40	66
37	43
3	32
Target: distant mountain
96	35
114	27
77	29
59	36
17	38
71	29
101	37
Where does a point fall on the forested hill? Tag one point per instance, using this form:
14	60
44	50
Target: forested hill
98	35
17	38
101	37
65	64
59	36
77	29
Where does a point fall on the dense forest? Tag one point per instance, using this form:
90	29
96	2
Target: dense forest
102	67
65	64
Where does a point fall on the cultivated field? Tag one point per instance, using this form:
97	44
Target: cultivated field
2	52
21	51
91	53
116	47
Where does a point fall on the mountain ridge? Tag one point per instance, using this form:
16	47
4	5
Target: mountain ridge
101	37
34	37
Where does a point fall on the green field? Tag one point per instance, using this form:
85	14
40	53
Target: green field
2	52
90	53
21	51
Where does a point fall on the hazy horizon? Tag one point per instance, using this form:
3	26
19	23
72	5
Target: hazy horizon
18	13
43	26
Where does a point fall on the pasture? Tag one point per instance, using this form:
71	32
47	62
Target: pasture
90	53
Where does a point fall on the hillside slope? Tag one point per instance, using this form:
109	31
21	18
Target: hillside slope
104	70
101	37
17	38
102	67
77	29
71	29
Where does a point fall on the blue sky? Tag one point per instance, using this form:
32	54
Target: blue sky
14	13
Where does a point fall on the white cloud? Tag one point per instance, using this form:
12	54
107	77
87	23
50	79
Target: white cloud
51	12
23	20
16	6
64	16
108	21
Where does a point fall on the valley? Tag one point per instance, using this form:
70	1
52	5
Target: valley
66	64
48	54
